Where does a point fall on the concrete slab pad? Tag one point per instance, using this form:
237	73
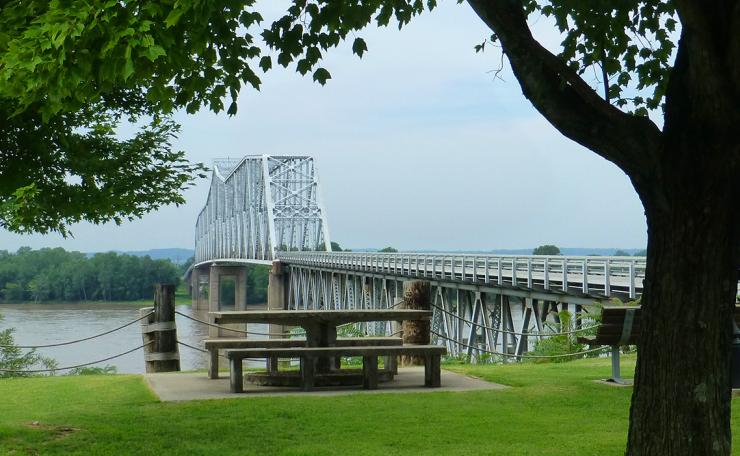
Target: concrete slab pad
197	386
606	381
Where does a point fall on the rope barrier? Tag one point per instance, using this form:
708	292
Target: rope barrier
36	371
298	332
59	344
193	347
521	356
213	325
533	333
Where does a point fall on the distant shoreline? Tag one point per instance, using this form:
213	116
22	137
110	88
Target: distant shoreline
139	303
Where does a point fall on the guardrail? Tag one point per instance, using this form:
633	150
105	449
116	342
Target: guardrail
568	274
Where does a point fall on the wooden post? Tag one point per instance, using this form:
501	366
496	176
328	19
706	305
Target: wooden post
370	372
432	374
417	295
160	333
236	375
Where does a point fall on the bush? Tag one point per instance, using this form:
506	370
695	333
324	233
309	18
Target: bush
12	358
92	370
547	249
559	345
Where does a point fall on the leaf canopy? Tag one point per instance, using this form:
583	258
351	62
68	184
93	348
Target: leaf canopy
72	65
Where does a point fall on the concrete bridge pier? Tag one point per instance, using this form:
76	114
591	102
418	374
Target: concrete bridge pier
277	295
277	299
222	282
199	288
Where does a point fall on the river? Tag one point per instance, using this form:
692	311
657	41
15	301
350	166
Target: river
40	324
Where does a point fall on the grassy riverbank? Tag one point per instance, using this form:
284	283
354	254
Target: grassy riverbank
550	409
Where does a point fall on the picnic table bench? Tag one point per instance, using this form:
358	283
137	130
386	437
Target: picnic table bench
320	352
214	345
309	356
320	325
620	326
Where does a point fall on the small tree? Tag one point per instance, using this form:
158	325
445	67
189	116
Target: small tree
13	359
335	247
547	249
388	250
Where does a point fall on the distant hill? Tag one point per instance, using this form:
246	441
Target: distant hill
175	255
572	251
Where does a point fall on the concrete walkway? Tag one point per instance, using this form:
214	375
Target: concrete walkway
196	386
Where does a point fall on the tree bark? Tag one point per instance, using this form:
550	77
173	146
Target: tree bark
682	394
681	398
688	178
416	296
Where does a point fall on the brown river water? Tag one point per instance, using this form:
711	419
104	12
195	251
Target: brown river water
39	324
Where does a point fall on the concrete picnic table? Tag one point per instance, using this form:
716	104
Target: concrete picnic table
320	325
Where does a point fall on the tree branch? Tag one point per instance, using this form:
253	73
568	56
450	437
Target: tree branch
631	142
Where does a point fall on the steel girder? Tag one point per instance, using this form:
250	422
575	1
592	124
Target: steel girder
261	204
473	322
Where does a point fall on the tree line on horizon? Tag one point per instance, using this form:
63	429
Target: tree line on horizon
549	249
54	274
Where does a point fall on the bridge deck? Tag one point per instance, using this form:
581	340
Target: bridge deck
595	276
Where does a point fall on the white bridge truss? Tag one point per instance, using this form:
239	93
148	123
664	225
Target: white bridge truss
258	205
482	304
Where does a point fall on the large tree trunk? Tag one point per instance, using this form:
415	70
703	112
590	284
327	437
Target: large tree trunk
688	178
681	399
682	393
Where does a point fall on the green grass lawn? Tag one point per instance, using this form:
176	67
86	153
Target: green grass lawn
550	409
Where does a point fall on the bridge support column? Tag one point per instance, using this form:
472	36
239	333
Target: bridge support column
221	296
199	289
277	299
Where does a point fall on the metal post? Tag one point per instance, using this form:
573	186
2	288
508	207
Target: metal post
616	376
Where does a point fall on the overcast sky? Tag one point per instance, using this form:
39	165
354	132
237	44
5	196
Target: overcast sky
418	146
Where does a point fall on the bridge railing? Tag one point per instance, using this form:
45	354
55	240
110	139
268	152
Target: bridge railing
603	276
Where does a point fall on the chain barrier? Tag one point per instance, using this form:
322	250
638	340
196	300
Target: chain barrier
37	371
59	344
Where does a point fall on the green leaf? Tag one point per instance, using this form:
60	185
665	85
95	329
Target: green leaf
321	75
128	68
232	109
303	66
359	47
154	52
174	17
266	63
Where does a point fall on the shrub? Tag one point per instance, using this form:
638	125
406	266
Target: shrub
94	370
12	358
561	344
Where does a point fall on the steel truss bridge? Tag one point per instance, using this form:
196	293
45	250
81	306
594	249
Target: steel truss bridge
262	209
259	205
